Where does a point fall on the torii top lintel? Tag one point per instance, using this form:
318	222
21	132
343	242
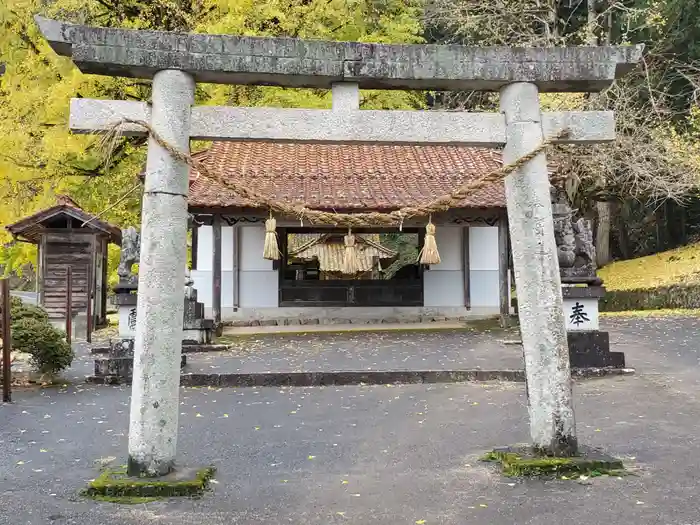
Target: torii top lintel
230	59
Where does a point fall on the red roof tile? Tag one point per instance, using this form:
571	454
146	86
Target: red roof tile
345	176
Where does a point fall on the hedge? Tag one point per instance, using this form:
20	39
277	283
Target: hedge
672	296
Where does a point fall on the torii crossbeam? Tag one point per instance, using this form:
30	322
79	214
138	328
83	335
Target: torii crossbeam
176	61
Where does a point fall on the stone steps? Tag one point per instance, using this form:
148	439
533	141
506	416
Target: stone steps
350	377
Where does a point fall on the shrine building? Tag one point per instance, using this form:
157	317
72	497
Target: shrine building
236	283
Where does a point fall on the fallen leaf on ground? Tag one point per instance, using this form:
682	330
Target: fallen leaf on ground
420	522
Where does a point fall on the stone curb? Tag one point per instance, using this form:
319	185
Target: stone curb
186	349
350	377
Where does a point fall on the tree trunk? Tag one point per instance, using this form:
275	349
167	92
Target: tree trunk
602	237
683	233
622	230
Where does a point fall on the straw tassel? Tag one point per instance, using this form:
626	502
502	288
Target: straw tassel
350	263
429	253
271	250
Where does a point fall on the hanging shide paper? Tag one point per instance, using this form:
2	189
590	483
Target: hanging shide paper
429	253
271	250
350	263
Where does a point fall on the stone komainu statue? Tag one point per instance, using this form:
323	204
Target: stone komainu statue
130	253
575	247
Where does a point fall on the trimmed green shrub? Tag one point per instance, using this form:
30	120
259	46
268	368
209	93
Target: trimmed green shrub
32	333
658	298
20	310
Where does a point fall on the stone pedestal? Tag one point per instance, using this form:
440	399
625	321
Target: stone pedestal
118	366
588	346
196	329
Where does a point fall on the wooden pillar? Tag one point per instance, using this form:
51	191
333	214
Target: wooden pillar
91	285
105	282
216	271
195	244
69	304
466	280
503	265
5	332
42	269
236	266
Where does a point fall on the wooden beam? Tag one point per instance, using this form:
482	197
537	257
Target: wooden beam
216	271
466	279
236	229
503	264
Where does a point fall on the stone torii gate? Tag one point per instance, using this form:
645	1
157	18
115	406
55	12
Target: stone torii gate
176	61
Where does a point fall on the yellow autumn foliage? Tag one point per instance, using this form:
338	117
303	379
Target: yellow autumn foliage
40	158
681	265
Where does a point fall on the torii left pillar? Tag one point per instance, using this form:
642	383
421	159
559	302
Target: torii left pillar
156	379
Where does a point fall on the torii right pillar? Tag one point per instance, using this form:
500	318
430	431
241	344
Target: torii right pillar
537	279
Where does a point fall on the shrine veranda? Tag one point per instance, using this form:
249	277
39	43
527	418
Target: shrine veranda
176	62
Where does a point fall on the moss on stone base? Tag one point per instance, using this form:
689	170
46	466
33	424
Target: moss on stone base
117	485
523	461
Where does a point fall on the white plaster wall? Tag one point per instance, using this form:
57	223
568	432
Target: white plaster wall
202	276
483	266
259	282
442	284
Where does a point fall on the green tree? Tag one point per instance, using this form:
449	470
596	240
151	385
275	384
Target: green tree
40	158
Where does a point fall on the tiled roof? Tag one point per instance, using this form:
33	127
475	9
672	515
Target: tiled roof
345	176
31	227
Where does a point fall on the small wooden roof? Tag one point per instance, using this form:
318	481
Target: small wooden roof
31	228
330	250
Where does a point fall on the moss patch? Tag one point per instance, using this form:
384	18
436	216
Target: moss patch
522	461
115	484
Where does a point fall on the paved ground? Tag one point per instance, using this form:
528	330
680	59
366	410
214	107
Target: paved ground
318	328
391	350
385	455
